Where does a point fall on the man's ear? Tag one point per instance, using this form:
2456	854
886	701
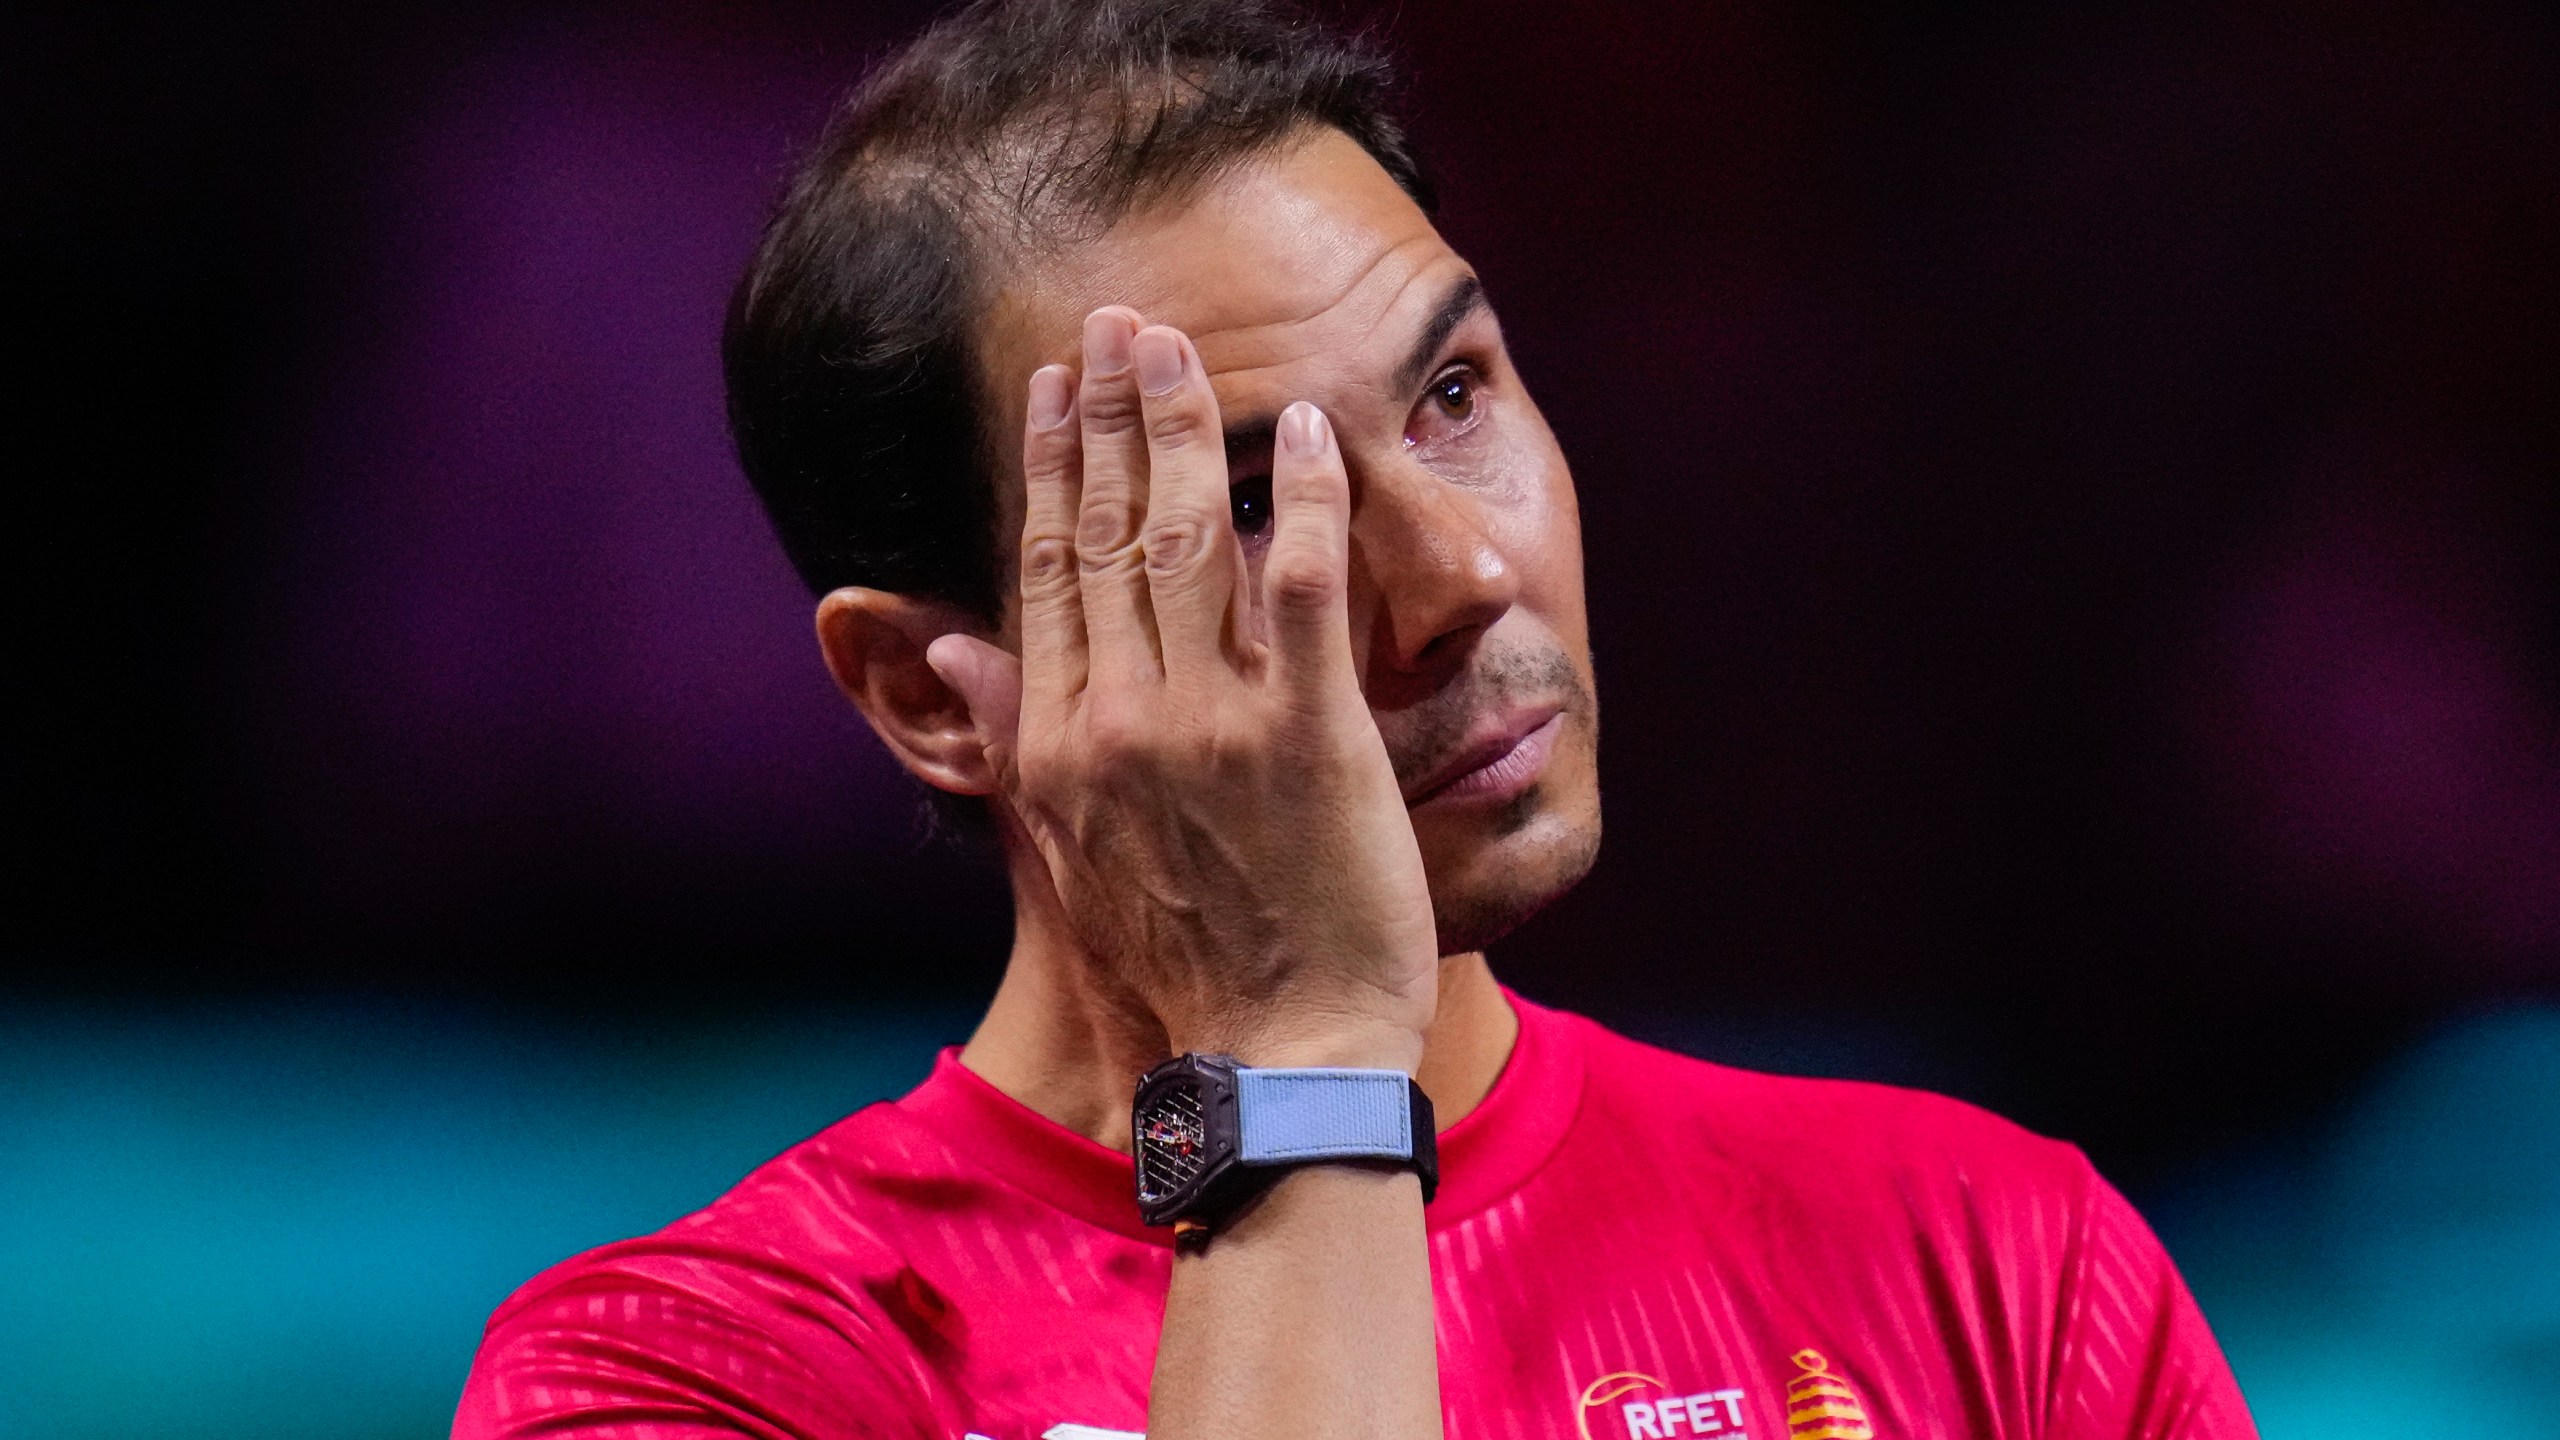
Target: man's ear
875	644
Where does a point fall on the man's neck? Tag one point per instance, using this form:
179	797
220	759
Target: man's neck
1066	1041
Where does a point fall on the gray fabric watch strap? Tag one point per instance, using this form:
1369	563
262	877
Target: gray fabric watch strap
1323	1114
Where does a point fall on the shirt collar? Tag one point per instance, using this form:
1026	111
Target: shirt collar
1483	1158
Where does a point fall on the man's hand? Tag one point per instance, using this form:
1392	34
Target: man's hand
1201	773
1217	813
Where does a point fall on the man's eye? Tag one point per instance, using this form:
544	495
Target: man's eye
1250	500
1454	394
1447	408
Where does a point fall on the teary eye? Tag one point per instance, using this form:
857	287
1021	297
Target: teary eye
1250	500
1451	405
1455	394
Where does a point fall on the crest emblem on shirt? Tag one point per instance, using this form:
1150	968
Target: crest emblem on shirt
1821	1405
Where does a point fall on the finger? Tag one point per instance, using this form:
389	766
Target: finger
1119	626
1053	648
1306	575
989	681
1188	540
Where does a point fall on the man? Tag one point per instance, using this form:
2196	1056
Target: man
1281	713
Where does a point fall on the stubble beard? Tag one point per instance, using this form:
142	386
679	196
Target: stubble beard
1473	919
1472	912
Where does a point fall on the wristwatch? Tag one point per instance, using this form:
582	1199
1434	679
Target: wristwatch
1213	1134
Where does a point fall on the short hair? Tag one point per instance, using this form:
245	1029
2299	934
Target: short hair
855	395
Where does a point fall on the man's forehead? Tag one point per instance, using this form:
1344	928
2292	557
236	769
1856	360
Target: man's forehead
1308	250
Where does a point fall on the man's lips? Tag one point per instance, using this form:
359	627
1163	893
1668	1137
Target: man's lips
1502	759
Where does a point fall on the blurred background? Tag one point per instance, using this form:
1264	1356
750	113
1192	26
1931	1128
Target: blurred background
2073	505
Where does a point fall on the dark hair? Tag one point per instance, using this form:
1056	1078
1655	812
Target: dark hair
1011	125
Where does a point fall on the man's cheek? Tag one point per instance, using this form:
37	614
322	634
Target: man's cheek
1530	514
1545	546
1498	466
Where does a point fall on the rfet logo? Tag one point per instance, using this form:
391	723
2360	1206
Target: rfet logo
1631	1405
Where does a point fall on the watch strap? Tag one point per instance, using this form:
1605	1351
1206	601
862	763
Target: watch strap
1316	1114
1323	1113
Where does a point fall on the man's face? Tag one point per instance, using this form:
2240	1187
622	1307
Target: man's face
1308	275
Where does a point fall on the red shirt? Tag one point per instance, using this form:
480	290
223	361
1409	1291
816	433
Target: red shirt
1627	1245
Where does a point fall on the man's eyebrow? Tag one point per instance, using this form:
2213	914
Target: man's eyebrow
1464	298
1249	439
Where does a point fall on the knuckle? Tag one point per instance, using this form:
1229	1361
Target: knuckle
1174	423
1048	563
1120	737
1175	542
1102	531
1301	583
1048	458
1236	754
1312	498
1110	409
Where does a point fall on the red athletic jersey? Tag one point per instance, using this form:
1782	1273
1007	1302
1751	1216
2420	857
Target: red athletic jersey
1627	1245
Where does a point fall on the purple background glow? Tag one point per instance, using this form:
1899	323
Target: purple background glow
531	619
2070	504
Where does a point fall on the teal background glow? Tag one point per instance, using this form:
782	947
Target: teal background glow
280	1220
276	1220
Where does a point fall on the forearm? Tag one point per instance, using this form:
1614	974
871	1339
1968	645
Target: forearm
1309	1315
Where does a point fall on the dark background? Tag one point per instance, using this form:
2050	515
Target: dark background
2070	499
2074	559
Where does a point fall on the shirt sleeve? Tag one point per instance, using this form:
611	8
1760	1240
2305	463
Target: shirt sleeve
2133	1359
617	1357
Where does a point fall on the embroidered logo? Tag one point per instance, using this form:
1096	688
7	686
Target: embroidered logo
1647	1416
1820	1405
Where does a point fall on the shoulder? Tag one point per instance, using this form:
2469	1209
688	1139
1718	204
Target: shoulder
800	1221
2022	1258
766	1312
1830	1143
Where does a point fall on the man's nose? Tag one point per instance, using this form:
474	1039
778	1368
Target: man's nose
1436	578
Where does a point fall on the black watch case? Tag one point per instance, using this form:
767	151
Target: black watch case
1187	1136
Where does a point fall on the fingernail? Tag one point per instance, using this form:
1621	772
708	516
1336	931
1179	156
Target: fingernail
1106	342
1303	429
1159	355
1050	393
